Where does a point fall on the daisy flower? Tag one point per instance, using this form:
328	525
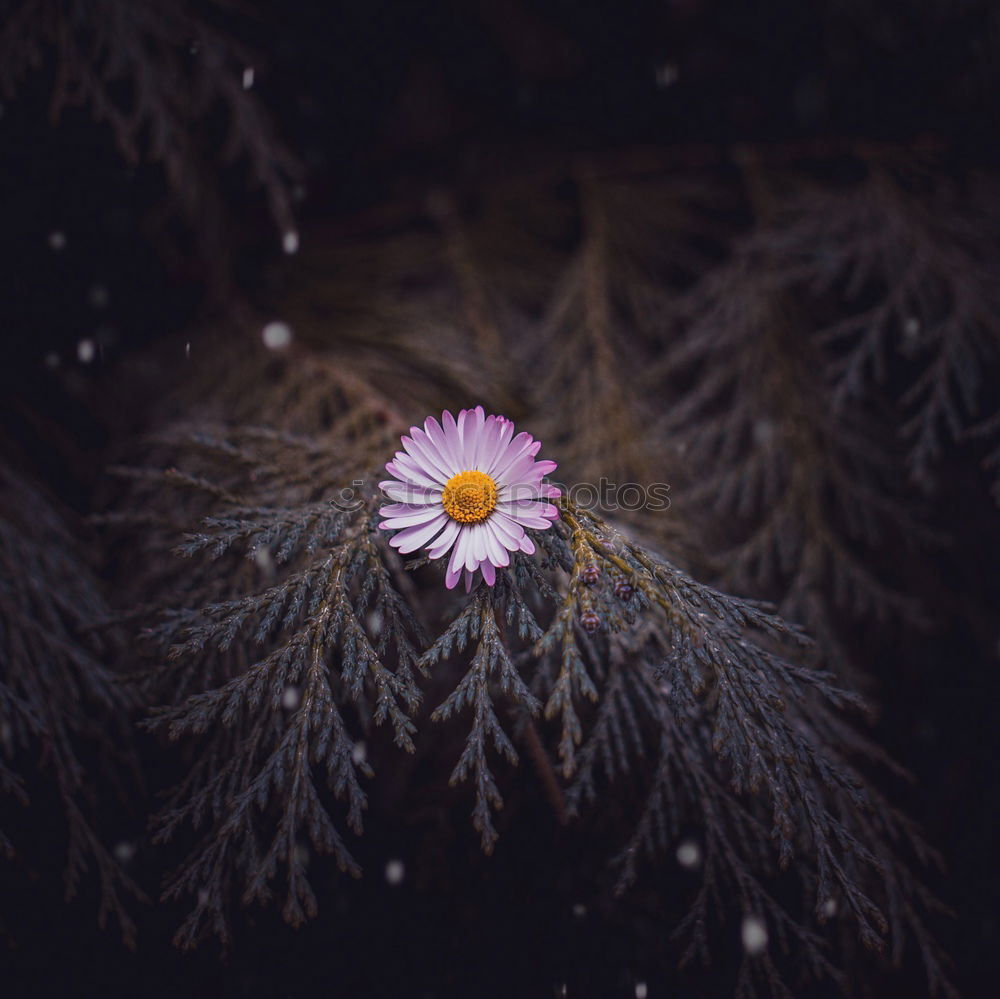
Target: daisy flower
468	487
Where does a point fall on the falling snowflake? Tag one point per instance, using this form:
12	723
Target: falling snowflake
86	351
124	851
469	487
666	75
689	854
395	872
276	335
754	935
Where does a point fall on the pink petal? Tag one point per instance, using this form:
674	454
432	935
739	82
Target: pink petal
507	531
485	443
451	578
457	559
409	494
508	451
522	469
426	452
412	538
489	573
495	436
529	514
534	508
418	472
446	539
424	515
500	439
468	581
470	422
401	509
519	446
419	481
538	523
496	551
452	438
483	535
523	491
475	548
527	545
441	442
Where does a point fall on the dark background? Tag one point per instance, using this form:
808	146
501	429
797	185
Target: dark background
380	99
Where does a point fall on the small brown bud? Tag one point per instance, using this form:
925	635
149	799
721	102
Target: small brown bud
590	574
623	589
590	622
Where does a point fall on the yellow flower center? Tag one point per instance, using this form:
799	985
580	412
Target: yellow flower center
469	497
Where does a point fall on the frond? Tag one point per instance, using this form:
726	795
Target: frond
756	753
58	697
907	256
801	486
175	68
274	683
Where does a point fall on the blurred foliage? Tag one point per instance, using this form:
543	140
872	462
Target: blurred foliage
60	703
